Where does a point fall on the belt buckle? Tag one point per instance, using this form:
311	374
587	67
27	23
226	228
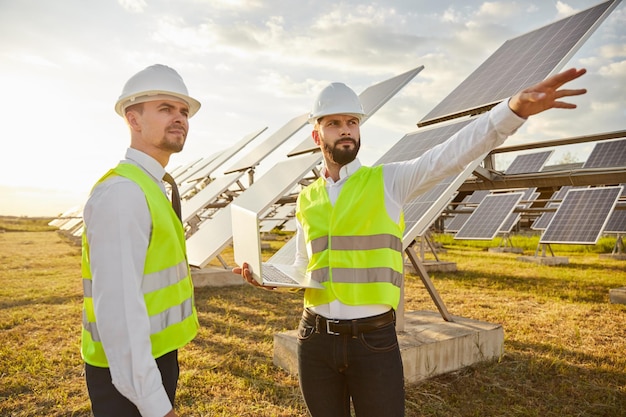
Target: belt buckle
328	322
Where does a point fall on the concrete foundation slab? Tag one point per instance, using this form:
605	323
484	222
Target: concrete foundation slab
545	260
429	345
505	250
215	277
617	295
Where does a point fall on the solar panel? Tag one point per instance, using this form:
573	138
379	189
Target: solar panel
372	99
532	162
582	216
510	222
459	219
616	222
519	63
207	169
270	144
544	219
488	217
208	194
276	217
607	154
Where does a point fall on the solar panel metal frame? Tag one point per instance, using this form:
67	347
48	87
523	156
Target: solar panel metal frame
488	218
607	155
505	72
530	162
582	216
372	99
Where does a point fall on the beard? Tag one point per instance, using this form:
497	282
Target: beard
173	144
341	156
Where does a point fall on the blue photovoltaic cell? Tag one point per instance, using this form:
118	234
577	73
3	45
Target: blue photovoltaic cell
582	216
488	217
519	63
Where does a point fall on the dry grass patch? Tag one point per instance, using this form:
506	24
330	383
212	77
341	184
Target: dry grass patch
564	342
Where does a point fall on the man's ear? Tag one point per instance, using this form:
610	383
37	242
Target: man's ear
132	120
315	134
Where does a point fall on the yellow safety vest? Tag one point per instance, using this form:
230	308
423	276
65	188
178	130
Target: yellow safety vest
166	285
354	247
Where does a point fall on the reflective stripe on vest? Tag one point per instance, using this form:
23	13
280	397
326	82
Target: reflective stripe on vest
354	247
166	282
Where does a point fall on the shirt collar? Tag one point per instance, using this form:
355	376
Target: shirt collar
344	172
145	161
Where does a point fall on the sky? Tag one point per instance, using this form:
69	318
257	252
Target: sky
256	64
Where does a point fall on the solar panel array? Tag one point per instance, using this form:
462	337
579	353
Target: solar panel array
510	222
459	219
542	222
519	63
532	162
582	216
488	218
607	154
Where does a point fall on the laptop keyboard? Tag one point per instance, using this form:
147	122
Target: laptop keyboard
273	274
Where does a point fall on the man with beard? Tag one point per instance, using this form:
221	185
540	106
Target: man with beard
350	228
138	295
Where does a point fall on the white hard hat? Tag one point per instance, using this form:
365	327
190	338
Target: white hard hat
336	98
156	80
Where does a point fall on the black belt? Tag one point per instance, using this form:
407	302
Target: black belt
347	327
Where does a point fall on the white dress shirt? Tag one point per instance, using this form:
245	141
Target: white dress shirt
406	180
119	225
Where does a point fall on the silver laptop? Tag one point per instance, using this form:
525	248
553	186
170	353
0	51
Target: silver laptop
247	247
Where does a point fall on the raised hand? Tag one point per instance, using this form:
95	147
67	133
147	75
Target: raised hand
546	95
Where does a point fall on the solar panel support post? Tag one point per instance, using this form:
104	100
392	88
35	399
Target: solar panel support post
543	247
419	267
424	241
618	249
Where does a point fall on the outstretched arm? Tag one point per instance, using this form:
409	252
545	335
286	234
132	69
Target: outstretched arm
546	95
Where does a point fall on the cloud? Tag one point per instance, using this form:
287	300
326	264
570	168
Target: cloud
133	6
564	10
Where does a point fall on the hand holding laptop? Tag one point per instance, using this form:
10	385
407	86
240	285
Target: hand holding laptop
247	276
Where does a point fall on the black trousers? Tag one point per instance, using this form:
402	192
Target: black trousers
106	400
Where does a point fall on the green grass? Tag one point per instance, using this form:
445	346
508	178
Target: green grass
565	346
